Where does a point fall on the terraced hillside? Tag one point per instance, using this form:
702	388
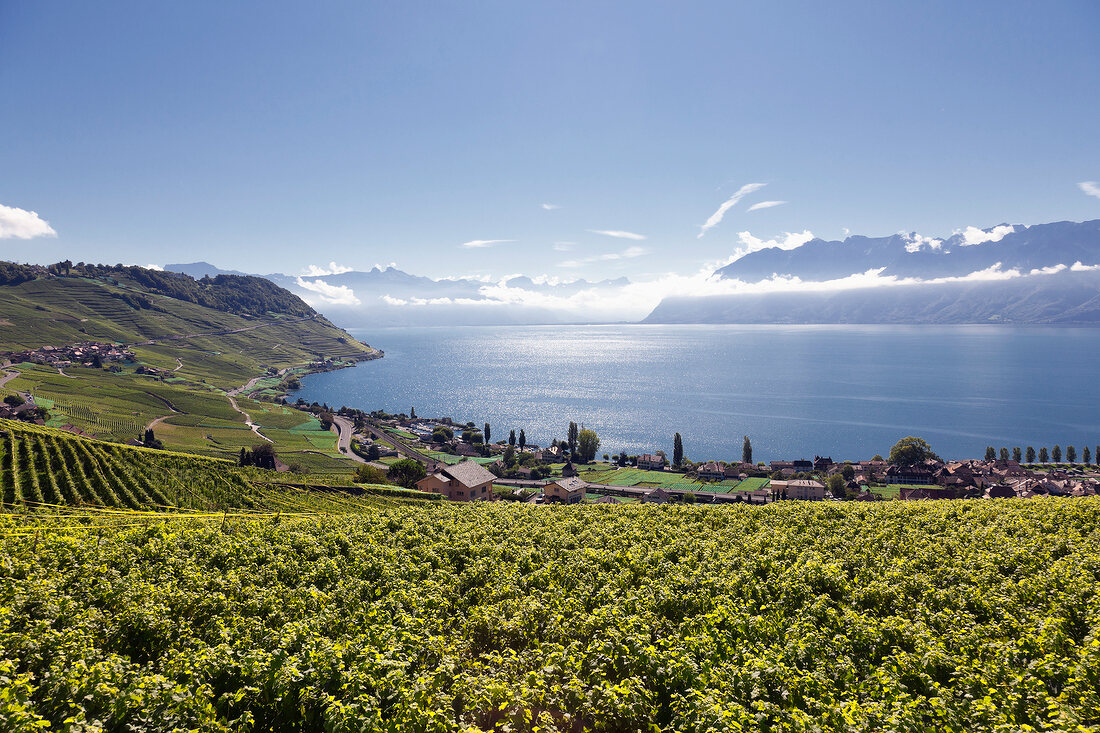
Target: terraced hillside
43	468
190	351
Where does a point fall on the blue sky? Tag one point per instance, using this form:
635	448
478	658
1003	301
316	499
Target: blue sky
268	137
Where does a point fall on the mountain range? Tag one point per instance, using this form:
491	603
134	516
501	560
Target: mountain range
1009	273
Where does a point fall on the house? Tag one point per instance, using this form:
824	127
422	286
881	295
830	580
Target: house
657	496
917	474
805	490
1000	491
466	481
608	500
568	470
566	490
822	463
916	493
651	462
711	471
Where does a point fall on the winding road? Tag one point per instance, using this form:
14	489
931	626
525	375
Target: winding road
344	429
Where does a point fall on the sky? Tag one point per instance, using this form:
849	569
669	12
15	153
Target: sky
567	139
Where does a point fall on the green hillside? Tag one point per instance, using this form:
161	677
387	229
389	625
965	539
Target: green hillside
198	346
42	468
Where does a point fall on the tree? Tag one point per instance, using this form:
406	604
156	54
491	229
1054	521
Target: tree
587	444
1004	454
1030	454
1056	454
472	435
1043	458
512	438
990	453
442	434
622	459
836	486
97	362
1017	454
573	434
14	400
509	457
522	439
688	497
412	413
406	472
1086	457
911	450
151	441
848	472
367	474
373	452
488	439
326	420
677	450
1071	454
262	456
877	457
244	459
746	450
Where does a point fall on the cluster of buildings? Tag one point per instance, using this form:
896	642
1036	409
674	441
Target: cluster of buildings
63	356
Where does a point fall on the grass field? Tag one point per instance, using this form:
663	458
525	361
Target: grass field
667	480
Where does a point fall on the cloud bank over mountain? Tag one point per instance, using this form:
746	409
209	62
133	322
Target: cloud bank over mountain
1024	263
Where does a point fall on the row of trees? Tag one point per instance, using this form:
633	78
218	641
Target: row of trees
1053	456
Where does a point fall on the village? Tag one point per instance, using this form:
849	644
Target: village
461	465
85	352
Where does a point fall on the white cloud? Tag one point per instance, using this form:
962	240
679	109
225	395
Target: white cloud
1078	266
627	254
914	242
550	207
564	246
729	203
321	270
1052	270
378	266
618	234
1091	188
974	235
766	205
482	243
749	243
22	224
326	294
158	268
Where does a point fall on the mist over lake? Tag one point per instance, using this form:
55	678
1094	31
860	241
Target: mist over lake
797	391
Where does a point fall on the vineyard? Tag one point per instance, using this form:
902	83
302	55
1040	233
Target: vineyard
957	616
45	469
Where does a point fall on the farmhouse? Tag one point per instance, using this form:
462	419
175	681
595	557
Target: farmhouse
466	481
711	471
651	462
805	489
566	490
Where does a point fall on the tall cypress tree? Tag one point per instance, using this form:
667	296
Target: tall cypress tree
512	438
1030	454
522	439
677	450
486	432
746	450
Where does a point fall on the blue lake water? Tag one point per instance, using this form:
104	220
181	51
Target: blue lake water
798	391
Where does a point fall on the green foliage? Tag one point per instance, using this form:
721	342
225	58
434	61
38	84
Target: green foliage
795	616
1043	456
677	450
406	472
911	450
442	434
587	444
746	450
836	487
367	474
1071	454
1030	456
1056	454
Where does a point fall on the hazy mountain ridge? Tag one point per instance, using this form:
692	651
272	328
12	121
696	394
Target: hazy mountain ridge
912	256
392	297
1063	298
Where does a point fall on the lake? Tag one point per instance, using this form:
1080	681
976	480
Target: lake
847	392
